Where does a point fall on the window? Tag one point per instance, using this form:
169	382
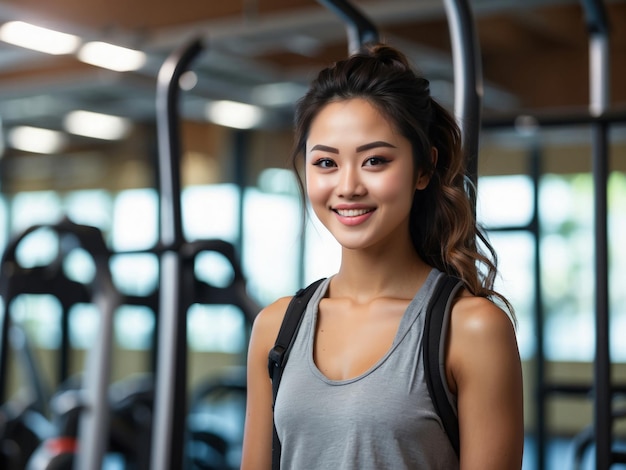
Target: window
135	220
566	257
271	244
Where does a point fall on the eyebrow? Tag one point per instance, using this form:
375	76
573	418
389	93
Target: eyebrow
374	145
360	148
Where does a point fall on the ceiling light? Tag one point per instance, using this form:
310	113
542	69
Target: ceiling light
110	56
96	125
38	38
234	114
35	139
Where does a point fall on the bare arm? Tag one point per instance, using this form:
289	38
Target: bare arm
484	367
257	443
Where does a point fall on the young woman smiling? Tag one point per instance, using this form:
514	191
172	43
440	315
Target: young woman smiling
384	172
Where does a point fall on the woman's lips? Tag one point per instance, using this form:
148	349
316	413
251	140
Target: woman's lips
353	216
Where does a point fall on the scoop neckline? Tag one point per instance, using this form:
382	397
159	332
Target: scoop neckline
403	329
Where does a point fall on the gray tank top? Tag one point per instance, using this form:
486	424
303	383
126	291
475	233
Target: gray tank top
382	419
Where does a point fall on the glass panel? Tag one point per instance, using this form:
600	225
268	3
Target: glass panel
41	317
135	274
84	326
134	327
216	328
505	201
32	208
90	207
271	240
211	212
79	266
567	266
135	220
323	253
567	251
566	203
214	269
39	248
516	282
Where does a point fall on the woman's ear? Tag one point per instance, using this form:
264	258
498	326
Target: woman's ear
423	177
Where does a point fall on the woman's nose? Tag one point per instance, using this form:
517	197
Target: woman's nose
350	184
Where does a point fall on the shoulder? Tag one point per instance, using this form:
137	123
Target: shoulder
264	333
481	333
484	371
477	317
258	424
268	321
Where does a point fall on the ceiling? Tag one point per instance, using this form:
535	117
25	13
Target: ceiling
534	53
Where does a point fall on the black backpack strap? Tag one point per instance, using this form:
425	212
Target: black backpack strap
435	329
279	353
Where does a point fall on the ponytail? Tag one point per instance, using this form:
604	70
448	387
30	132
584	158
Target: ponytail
444	229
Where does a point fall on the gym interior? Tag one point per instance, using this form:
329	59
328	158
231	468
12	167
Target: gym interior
148	210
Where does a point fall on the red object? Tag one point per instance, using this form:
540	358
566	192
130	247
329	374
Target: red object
61	445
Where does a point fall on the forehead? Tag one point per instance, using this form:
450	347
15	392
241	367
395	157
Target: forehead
351	118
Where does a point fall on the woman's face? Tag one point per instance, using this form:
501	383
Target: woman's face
360	177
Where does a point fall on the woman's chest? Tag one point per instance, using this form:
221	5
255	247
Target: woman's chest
350	339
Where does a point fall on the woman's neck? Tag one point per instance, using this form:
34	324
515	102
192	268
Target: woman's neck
395	271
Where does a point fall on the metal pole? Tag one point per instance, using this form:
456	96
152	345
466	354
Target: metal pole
602	372
171	377
598	103
360	29
468	83
241	143
540	377
94	421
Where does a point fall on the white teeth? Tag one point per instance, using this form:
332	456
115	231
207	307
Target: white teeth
352	212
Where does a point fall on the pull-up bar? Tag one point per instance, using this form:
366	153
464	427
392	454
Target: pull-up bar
359	28
171	378
468	82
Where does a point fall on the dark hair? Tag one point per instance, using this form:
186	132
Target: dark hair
442	224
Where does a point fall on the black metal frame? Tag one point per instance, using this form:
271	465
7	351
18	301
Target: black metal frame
468	82
16	280
599	117
171	372
597	25
359	28
170	393
179	288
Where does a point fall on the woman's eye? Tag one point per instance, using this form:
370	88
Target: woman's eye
324	163
375	161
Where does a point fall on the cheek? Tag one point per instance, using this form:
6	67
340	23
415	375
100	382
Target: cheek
316	188
395	186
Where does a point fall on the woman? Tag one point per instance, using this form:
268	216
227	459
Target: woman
384	172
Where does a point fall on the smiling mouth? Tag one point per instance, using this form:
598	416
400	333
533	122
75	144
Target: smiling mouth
352	212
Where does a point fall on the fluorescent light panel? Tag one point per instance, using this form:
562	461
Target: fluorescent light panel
96	125
37	38
110	56
36	140
234	114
